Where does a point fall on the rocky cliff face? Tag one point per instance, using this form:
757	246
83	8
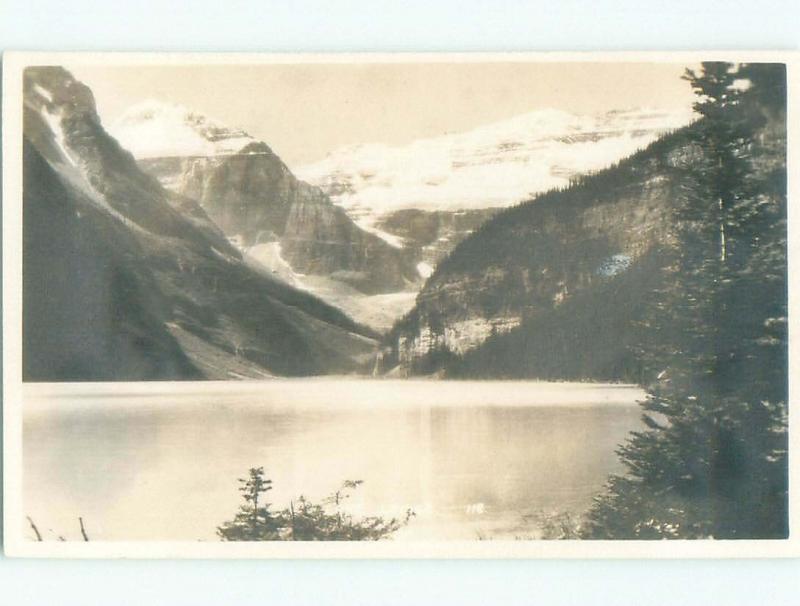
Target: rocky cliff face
248	193
534	259
255	199
125	280
432	234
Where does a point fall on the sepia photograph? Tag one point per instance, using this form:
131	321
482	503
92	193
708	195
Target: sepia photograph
396	305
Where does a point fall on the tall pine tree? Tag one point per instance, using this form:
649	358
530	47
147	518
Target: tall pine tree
712	461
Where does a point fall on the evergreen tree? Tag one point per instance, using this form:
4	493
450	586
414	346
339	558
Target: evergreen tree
712	461
253	522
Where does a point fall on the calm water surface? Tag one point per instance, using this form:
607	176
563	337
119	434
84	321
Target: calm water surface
471	459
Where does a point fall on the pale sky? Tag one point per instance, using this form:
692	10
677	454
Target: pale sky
304	111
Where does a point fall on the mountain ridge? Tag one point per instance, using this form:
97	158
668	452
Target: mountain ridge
149	287
257	202
540	255
523	155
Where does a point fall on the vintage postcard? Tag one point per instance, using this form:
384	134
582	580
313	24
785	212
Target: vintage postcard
438	305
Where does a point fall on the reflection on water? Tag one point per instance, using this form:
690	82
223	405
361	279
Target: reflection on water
150	466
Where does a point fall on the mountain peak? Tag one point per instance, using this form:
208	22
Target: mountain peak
156	128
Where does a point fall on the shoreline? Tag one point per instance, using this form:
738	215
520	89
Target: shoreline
340	393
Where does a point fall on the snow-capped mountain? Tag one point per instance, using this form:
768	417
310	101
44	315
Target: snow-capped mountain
157	129
285	226
365	226
252	195
495	165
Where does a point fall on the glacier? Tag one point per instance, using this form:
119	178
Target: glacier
493	166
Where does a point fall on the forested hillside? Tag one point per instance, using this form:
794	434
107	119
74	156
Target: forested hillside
552	287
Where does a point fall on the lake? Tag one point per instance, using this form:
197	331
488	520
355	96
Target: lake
473	460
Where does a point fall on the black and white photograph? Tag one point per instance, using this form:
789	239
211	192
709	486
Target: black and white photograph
396	305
